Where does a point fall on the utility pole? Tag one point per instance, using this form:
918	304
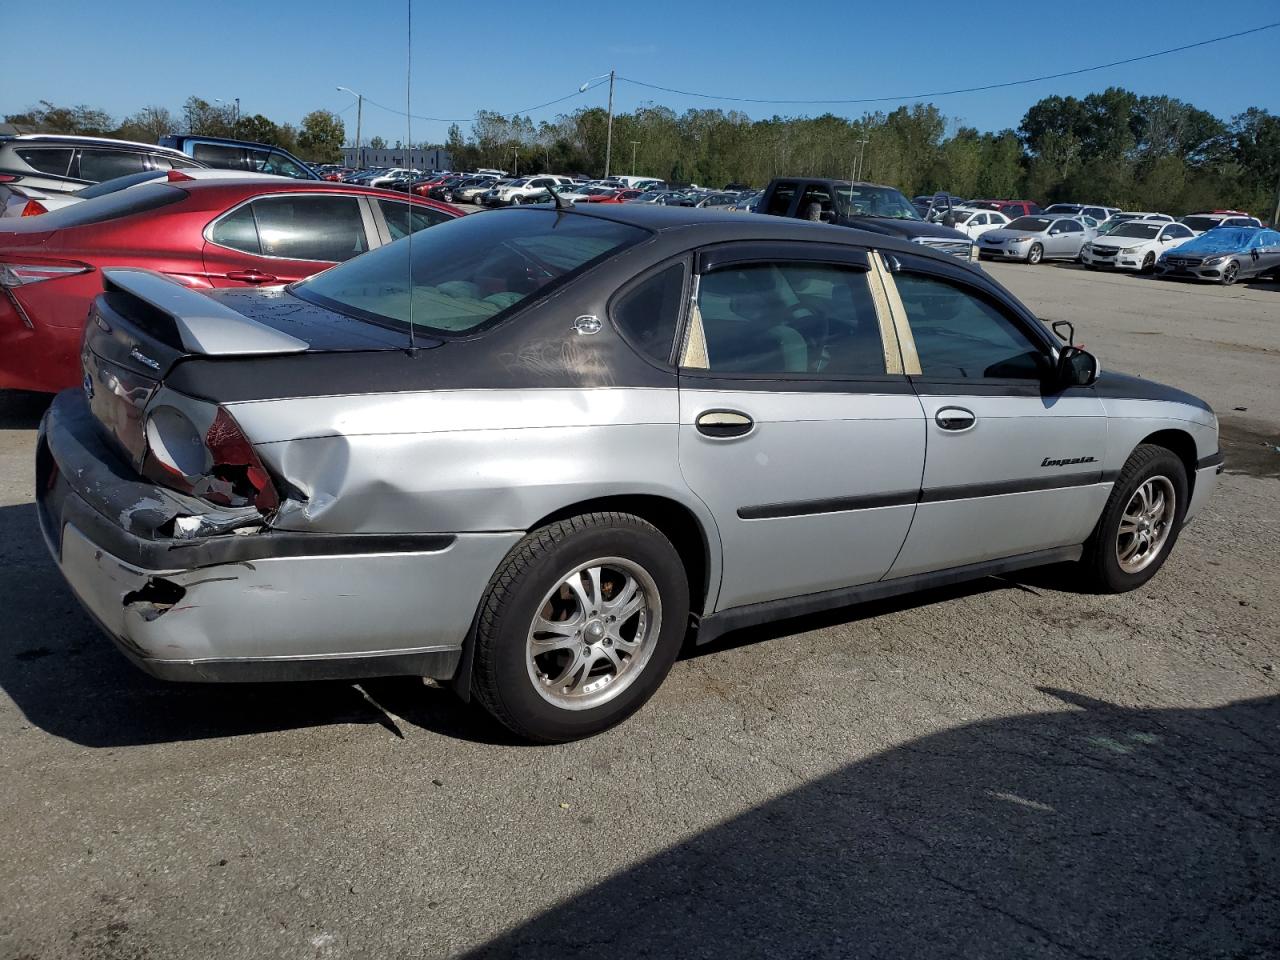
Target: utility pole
862	147
634	144
608	144
1275	216
516	172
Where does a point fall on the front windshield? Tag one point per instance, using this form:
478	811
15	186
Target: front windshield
1139	231
1063	208
1031	224
468	271
1200	224
963	215
864	201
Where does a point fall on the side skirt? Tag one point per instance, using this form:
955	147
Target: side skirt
736	618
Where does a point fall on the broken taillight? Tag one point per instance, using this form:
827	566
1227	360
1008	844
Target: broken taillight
219	466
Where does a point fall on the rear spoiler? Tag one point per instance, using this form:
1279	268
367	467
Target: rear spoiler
204	325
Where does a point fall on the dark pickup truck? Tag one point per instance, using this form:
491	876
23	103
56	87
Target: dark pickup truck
867	206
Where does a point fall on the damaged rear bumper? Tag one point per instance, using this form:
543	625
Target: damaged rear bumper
259	605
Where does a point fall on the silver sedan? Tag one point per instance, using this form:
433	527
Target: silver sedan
1033	239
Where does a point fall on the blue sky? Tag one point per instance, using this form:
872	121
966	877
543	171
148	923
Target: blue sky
284	60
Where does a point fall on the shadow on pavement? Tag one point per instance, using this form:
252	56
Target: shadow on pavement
20	410
1093	832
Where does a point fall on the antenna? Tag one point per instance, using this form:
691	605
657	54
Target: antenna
555	197
408	121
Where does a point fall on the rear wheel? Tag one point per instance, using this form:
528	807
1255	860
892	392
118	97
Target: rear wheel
1140	523
580	626
1035	254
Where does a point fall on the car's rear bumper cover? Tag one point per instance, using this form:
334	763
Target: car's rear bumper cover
203	610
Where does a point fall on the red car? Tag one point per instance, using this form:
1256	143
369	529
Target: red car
618	196
203	233
1010	208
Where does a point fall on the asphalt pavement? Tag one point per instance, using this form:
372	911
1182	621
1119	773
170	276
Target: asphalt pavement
1005	769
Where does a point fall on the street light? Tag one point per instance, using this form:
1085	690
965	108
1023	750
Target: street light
236	122
359	113
608	146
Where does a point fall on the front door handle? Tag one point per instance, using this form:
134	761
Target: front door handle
955	418
724	424
252	276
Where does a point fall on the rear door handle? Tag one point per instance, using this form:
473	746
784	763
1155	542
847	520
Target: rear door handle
252	276
955	418
724	424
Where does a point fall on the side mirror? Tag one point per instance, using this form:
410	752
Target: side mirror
1076	368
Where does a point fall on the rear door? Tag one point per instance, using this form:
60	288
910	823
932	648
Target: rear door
1011	468
286	237
798	428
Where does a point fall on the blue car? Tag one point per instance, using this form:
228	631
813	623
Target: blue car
1223	255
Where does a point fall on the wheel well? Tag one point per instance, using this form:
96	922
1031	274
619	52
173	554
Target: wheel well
677	523
1182	444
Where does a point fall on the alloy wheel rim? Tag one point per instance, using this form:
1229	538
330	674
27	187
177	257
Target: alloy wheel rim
1145	524
593	633
1035	253
1229	274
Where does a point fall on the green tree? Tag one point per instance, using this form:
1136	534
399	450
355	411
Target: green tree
321	137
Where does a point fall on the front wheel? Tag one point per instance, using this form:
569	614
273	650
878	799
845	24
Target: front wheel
516	201
1140	523
1229	273
1149	263
580	626
1035	254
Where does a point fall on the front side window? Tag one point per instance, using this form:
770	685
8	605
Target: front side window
102	165
790	318
470	271
277	164
404	219
310	227
960	335
648	313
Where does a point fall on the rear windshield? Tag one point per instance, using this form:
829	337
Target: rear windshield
468	272
1034	224
1201	224
1142	231
111	206
119	183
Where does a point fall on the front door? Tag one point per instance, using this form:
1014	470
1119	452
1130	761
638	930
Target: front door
1010	467
286	237
798	428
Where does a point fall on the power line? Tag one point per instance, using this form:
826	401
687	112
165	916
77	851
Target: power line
507	116
948	93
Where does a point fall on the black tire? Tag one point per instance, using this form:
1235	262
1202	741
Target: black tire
534	566
1229	273
1100	564
1149	263
517	200
1035	254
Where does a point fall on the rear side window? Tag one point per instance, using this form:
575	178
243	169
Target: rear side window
55	161
237	230
269	161
216	155
403	218
102	165
121	203
647	314
315	227
790	318
780	200
959	335
469	271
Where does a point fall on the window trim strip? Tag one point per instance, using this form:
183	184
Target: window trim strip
901	325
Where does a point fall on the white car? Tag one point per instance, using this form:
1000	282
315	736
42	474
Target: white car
524	190
975	222
1202	222
388	176
1134	245
1140	215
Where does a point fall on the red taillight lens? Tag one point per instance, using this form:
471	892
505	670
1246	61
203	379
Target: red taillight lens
177	176
19	273
7	178
221	467
236	464
33	208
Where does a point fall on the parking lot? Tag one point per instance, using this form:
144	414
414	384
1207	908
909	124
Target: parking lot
1007	768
